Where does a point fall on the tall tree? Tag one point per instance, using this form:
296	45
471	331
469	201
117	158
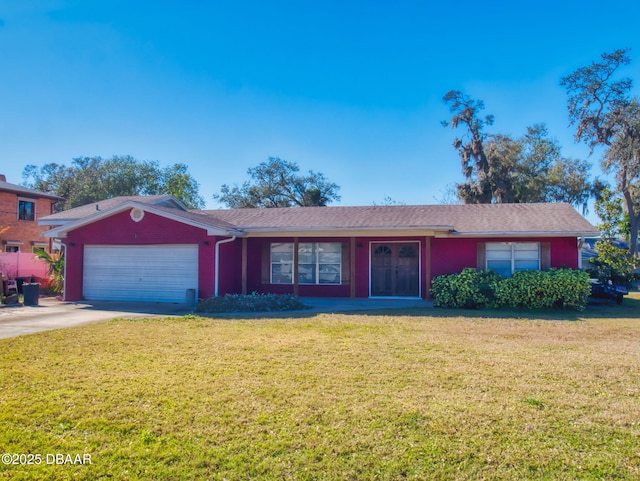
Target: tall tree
176	181
503	169
90	179
538	154
503	154
605	114
475	165
545	175
277	183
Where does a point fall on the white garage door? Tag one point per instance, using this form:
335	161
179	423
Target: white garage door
140	273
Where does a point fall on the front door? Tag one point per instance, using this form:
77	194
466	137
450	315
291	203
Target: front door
395	269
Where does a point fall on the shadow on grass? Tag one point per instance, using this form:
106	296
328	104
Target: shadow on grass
630	308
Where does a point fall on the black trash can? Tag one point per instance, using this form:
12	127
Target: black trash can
21	281
31	293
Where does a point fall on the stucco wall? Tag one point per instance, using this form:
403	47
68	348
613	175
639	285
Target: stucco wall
360	277
437	257
452	255
254	271
120	229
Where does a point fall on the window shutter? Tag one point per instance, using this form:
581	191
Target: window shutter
266	263
481	263
545	256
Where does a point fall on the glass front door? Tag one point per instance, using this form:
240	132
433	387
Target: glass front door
395	269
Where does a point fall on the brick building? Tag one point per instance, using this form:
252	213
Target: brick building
20	210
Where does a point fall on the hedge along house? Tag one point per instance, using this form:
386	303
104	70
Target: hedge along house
152	248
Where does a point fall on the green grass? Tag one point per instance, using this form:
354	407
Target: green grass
416	394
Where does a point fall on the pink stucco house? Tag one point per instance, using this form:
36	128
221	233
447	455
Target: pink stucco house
152	248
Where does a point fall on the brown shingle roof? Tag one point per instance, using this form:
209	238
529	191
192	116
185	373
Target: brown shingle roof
89	209
20	190
550	218
200	217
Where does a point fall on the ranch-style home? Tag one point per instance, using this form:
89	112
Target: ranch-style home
152	248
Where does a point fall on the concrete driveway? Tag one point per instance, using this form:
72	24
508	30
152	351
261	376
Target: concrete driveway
53	314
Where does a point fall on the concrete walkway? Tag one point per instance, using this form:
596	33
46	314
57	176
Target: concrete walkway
336	304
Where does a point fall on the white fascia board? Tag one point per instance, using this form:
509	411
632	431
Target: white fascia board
59	222
399	231
524	234
61	231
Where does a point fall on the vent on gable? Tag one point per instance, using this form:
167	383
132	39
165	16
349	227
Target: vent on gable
137	214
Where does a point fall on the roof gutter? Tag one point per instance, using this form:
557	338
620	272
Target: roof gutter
64	279
217	261
525	234
259	230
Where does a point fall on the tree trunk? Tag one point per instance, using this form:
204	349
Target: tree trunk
633	216
634	220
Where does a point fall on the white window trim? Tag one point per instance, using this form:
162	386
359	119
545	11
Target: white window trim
318	264
291	263
39	245
9	243
513	257
271	263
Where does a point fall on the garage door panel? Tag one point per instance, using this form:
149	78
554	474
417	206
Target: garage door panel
152	273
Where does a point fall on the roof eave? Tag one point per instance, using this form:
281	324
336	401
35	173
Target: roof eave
526	234
59	222
32	195
350	231
62	231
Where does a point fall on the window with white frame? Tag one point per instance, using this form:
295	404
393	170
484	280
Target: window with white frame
282	263
39	246
318	263
505	258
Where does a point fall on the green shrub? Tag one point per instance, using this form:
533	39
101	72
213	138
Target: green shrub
528	289
572	288
471	289
556	288
254	302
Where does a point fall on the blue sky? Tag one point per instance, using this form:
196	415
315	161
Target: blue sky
350	89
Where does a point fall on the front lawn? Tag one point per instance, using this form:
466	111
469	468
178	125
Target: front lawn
420	394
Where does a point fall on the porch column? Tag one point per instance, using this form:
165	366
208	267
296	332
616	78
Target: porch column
427	267
244	265
295	266
352	268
